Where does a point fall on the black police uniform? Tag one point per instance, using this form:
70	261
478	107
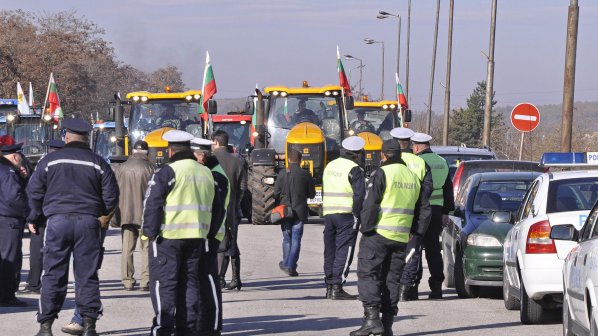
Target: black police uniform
340	233
210	292
13	209
72	188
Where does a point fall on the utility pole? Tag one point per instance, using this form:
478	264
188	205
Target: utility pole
490	79
408	38
429	126
569	85
447	89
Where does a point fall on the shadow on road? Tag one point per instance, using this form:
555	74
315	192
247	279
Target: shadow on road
128	332
274	324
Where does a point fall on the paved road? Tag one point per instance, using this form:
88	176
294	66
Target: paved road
275	304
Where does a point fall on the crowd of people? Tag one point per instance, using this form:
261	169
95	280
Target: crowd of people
185	217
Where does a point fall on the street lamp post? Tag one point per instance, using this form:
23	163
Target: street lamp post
349	57
368	40
384	15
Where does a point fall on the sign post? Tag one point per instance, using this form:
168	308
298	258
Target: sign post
525	117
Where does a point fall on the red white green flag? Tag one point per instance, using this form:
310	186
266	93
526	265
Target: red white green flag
208	87
344	82
400	94
52	104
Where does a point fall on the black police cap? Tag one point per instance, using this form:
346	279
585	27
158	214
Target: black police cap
77	126
391	145
140	145
11	149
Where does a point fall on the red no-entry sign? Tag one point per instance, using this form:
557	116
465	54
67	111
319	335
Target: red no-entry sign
525	117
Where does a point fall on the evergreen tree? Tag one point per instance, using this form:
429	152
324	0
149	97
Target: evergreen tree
467	125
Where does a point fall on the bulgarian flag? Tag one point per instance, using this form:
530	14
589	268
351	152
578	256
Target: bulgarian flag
209	86
344	82
400	94
53	101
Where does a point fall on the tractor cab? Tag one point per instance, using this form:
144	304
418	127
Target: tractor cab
378	117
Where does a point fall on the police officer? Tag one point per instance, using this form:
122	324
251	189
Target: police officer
344	191
36	242
210	292
176	219
442	202
13	209
409	289
388	213
74	187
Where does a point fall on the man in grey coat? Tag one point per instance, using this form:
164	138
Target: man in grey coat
132	177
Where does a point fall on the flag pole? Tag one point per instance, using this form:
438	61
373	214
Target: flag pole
47	93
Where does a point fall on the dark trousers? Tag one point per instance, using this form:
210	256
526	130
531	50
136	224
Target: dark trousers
233	230
340	232
11	241
81	236
174	281
36	243
210	293
413	267
433	248
379	267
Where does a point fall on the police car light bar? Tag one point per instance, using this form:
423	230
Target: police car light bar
588	159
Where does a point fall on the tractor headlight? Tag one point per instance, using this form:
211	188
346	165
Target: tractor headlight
135	98
10	118
351	132
335	93
47	117
392	106
268	180
255	134
478	239
275	93
143	99
283	94
327	93
385	106
196	96
188	98
113	139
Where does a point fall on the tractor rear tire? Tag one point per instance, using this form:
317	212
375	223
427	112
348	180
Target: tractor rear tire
262	200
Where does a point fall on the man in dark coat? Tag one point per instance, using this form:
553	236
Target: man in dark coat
237	177
293	187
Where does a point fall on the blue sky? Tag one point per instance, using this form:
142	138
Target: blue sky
288	41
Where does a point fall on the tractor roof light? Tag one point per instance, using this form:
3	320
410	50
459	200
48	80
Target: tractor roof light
10	117
385	106
143	99
188	98
327	93
255	134
335	93
275	93
351	132
135	98
243	122
196	96
283	94
392	106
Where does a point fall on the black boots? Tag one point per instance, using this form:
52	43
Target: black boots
89	326
329	291
339	294
223	267
236	281
387	321
371	323
408	293
45	328
435	290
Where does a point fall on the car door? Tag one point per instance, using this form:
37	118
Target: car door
453	230
583	272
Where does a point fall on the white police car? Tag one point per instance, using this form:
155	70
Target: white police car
580	276
532	261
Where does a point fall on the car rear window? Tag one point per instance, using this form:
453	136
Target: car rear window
453	160
500	195
572	194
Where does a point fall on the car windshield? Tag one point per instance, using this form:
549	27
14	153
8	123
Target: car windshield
238	133
378	121
572	194
154	114
286	112
499	196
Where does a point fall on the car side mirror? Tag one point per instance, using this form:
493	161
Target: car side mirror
212	107
407	116
111	113
249	107
563	232
350	102
501	216
457	212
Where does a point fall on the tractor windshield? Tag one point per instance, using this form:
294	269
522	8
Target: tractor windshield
104	142
154	114
286	112
238	133
376	120
32	133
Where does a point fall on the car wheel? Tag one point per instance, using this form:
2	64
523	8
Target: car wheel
463	291
511	302
530	312
449	272
566	317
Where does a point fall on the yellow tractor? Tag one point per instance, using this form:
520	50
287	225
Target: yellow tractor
154	113
311	120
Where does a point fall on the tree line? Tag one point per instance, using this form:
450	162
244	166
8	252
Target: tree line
86	70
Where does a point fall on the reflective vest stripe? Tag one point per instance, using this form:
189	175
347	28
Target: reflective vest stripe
188	207
337	191
77	162
185	226
398	229
397	211
437	197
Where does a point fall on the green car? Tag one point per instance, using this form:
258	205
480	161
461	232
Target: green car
472	244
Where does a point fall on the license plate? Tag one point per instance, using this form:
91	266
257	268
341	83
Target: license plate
317	199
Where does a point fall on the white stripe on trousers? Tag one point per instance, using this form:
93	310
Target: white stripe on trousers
39	302
213	285
159	315
349	252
